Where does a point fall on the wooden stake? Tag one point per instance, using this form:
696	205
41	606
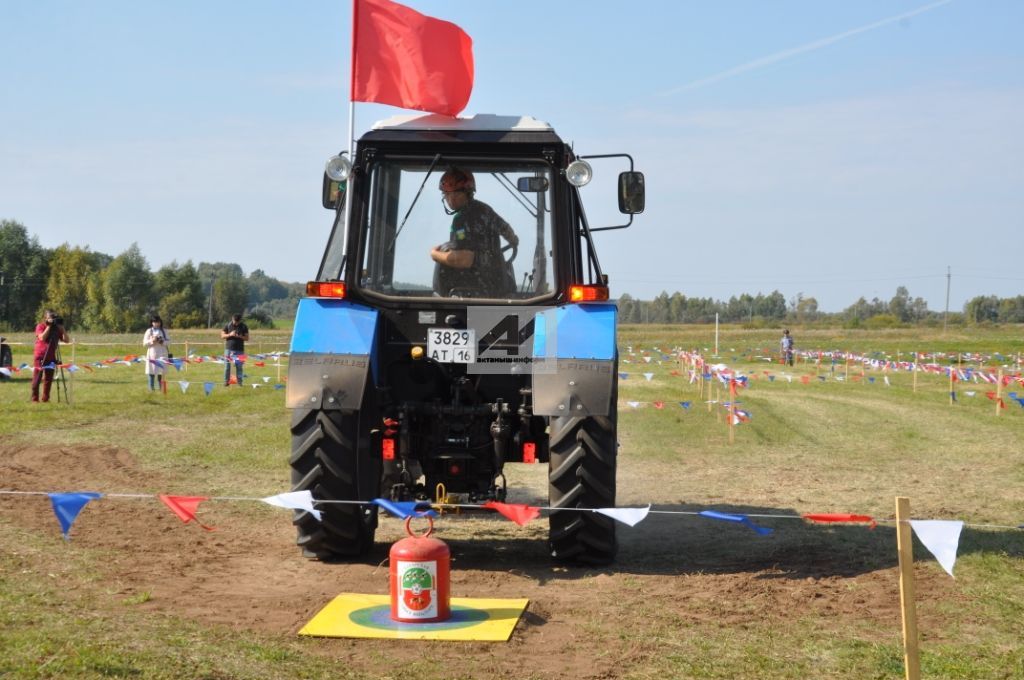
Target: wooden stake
71	387
185	364
999	391
908	606
915	372
732	423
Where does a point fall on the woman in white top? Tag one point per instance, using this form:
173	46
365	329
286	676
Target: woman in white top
155	341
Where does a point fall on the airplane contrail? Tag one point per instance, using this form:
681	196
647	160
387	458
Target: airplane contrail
792	52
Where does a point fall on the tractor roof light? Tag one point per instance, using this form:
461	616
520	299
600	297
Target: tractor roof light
327	289
338	168
592	293
579	173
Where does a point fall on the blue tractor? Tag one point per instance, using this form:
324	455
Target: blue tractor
460	321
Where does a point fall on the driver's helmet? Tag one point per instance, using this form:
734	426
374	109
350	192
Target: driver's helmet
456	179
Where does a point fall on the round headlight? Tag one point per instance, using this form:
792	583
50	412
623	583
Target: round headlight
579	173
338	168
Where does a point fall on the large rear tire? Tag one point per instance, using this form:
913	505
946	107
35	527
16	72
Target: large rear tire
581	474
331	457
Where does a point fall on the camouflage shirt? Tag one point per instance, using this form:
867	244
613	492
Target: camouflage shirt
477	227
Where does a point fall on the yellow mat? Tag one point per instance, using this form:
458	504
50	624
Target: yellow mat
369	616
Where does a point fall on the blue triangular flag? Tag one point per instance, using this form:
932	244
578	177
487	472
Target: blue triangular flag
67	506
739	519
685	404
278	386
405	509
871	378
623	376
207	387
771	378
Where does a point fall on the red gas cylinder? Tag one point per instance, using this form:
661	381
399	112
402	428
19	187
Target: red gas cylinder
420	578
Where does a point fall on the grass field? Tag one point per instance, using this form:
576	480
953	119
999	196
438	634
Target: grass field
136	594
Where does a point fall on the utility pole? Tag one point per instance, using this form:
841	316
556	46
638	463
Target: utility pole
945	315
209	313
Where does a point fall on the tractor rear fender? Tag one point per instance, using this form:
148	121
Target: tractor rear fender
333	352
581	342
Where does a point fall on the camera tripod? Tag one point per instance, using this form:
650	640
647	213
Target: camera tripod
58	368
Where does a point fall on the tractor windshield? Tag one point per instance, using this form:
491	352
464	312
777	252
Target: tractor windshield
487	235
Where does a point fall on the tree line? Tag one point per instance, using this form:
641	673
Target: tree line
98	292
773	308
104	293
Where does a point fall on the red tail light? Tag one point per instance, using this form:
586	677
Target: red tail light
331	289
592	293
387	449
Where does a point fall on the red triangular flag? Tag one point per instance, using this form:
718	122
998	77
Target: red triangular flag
659	404
517	512
827	517
406	59
185	507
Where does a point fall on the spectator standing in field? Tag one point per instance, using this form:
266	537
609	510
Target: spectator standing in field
49	334
156	341
787	347
234	334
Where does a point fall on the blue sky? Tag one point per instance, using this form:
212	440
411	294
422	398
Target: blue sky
775	157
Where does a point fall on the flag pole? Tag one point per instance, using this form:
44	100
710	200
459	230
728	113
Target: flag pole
351	137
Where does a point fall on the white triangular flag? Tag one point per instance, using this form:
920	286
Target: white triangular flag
887	381
648	376
630	516
941	538
294	500
633	404
647	360
266	378
183	384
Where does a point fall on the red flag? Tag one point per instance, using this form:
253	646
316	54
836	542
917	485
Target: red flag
406	59
659	404
841	517
517	512
185	507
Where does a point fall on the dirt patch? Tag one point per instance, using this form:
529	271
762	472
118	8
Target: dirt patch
248	574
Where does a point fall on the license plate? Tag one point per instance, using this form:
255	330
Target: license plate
451	346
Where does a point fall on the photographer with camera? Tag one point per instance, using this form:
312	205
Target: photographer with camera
234	335
49	334
155	341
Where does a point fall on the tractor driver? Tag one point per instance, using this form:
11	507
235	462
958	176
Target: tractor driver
471	260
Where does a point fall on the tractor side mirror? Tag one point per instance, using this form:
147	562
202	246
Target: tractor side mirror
333	194
631	192
532	184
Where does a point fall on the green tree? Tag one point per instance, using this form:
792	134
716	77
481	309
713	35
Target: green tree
627	309
179	295
982	309
24	268
72	269
230	295
127	287
263	288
